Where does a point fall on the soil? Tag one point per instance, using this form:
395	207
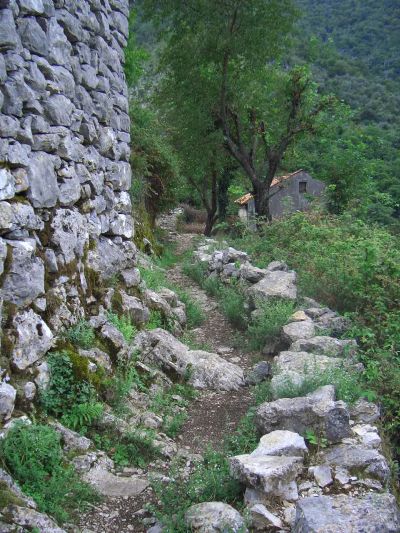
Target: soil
211	416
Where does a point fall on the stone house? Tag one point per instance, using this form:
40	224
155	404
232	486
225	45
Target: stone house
291	193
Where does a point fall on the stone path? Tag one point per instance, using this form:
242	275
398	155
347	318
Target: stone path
211	417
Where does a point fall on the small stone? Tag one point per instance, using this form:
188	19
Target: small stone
261	518
213	517
322	475
7	400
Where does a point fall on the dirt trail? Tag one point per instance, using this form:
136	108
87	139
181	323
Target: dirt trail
211	417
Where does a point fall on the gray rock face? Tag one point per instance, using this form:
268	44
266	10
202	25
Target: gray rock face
7	400
364	412
29	518
298	330
33	339
325	346
69	234
251	273
323	416
72	441
7	184
207	370
214	517
109	258
276	284
345	514
24	280
114	486
281	442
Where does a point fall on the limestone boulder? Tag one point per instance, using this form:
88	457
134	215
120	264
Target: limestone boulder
43	187
281	442
112	486
325	345
250	273
320	414
99	357
70	234
131	277
30	519
205	370
276	284
264	520
304	363
275	476
134	308
277	266
364	412
108	258
357	459
32	339
7	400
71	440
214	517
258	373
7	184
346	514
294	331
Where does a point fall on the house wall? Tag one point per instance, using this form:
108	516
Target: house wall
289	199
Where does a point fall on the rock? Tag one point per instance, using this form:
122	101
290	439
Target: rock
299	316
298	330
275	476
115	486
8	33
368	435
155	301
345	514
7	182
109	258
29	391
3	255
43	187
304	363
33	338
214	517
24	280
24	217
206	370
328	321
169	296
70	234
279	443
277	266
8	481
364	412
7	400
101	358
262	519
131	277
323	416
134	308
113	337
326	346
31	519
357	459
322	475
258	373
42	378
251	273
72	441
276	284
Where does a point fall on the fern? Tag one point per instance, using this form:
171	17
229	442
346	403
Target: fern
83	415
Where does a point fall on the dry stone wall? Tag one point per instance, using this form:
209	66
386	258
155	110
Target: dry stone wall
65	210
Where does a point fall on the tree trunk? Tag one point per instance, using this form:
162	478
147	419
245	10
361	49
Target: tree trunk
261	198
209	224
212	206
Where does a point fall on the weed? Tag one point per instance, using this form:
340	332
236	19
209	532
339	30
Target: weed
267	321
318	441
81	335
189	339
155	321
194	314
245	438
32	454
121	383
83	415
232	302
124	325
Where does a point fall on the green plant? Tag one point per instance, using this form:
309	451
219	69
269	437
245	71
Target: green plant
124	325
117	388
195	271
33	455
67	387
83	415
194	313
232	302
210	481
267	321
319	441
245	437
156	320
81	335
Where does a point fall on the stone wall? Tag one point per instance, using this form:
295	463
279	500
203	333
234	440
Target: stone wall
65	213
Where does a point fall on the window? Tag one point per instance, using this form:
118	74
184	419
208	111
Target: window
302	186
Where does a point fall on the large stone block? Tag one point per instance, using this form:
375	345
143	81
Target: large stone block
8	33
24	280
33	339
70	233
43	188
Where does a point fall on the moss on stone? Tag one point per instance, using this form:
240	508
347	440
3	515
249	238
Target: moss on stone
8	497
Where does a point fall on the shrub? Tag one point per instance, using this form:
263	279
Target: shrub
232	302
81	335
67	387
194	313
33	456
124	325
83	415
267	321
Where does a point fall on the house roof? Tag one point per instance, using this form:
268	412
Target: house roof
245	199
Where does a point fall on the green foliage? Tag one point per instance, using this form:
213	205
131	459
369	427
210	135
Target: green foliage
134	448
245	438
124	325
318	441
210	481
65	389
267	321
171	404
33	456
156	320
118	387
232	302
83	415
194	313
81	335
